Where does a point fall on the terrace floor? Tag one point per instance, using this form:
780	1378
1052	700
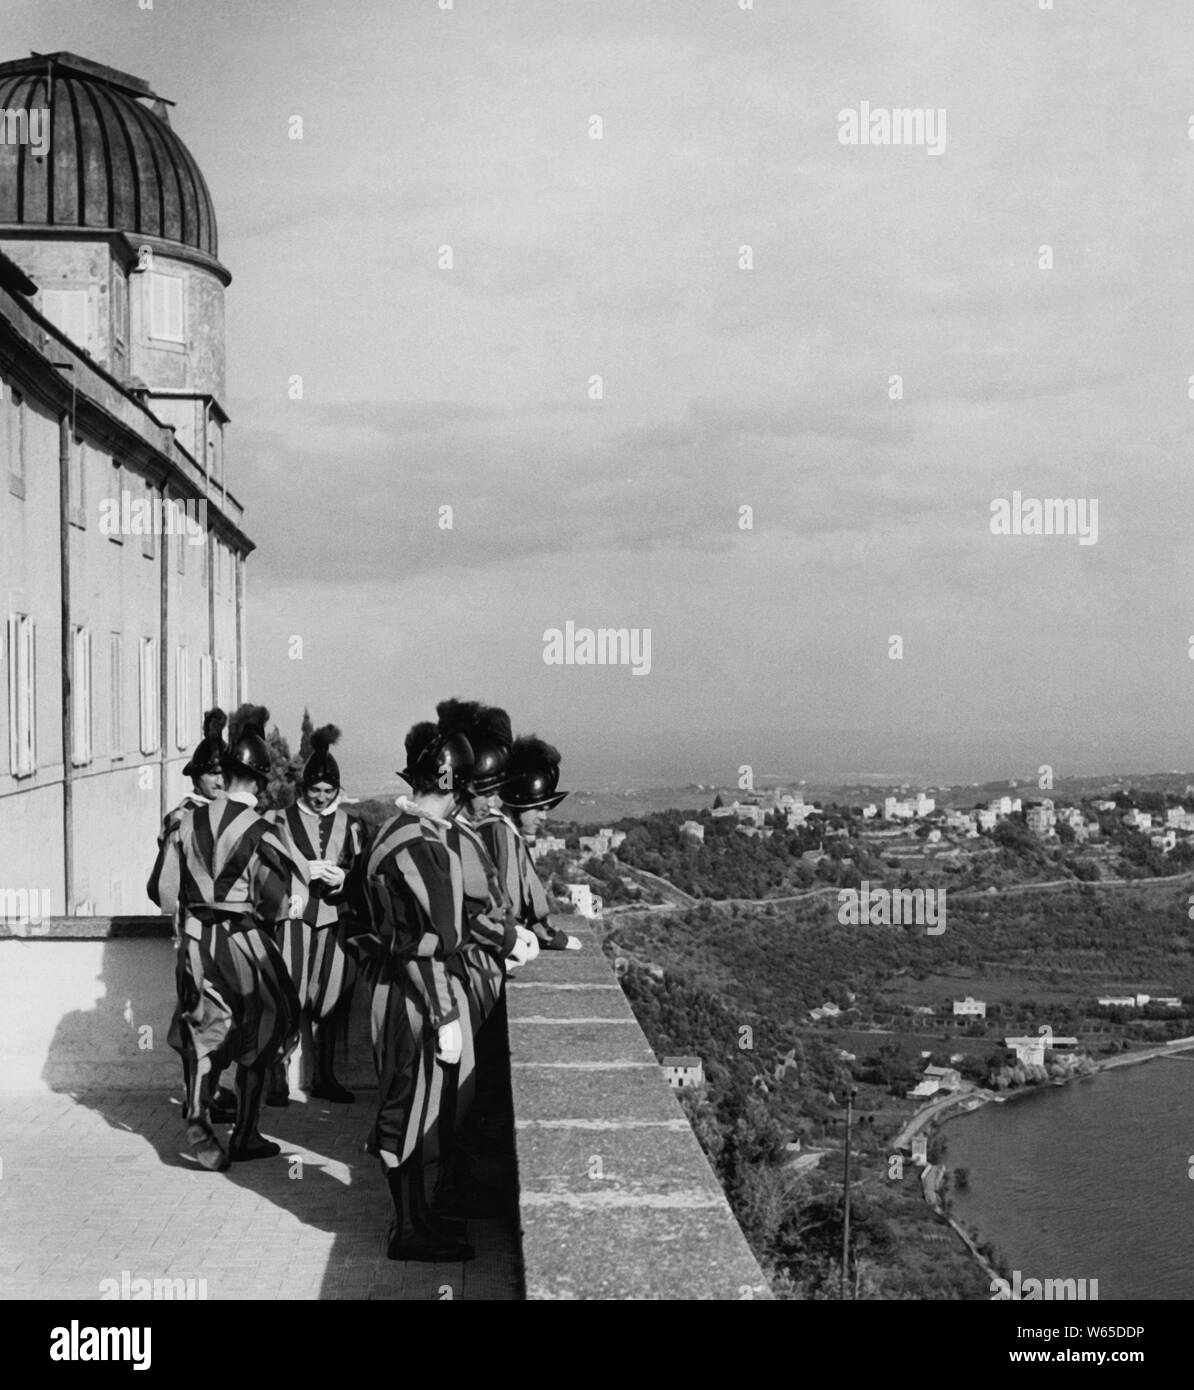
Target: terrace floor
96	1184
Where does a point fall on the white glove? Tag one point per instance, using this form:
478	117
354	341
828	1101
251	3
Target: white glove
532	942
525	948
298	905
332	874
574	943
449	1043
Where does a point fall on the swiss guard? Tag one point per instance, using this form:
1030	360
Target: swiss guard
527	793
325	843
206	771
495	943
493	938
422	1035
227	875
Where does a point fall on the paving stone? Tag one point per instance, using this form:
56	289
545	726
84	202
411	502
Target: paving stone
109	1193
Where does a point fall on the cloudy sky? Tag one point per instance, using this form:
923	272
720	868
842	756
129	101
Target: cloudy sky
723	387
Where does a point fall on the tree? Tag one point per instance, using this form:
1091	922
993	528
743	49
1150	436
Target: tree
305	732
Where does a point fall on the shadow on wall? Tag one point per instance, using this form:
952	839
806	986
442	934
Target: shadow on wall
110	1054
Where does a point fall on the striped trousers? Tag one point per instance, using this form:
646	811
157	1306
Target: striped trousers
236	1003
322	971
486	979
419	1100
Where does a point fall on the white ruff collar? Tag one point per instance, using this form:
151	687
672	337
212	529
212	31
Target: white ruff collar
404	803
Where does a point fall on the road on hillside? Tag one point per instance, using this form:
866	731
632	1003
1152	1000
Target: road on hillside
681	901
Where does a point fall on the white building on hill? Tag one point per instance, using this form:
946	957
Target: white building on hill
683	1073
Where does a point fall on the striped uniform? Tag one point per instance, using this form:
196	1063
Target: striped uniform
313	945
229	878
415	894
489	930
526	893
191	802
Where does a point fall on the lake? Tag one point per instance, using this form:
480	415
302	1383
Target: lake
1088	1181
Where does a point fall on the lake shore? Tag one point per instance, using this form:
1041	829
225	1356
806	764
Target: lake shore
934	1119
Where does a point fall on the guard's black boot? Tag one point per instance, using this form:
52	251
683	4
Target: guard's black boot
278	1094
202	1143
407	1241
247	1140
324	1086
436	1215
222	1109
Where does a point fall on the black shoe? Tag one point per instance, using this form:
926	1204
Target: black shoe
448	1227
206	1148
223	1106
330	1090
436	1219
413	1236
258	1148
411	1247
278	1087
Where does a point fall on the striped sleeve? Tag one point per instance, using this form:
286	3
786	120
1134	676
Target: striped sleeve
488	921
275	878
536	894
499	841
419	901
166	879
349	857
431	980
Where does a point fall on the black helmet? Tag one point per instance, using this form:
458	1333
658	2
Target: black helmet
209	752
248	751
532	776
321	766
438	758
488	730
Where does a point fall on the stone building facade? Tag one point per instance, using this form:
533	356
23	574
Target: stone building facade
122	550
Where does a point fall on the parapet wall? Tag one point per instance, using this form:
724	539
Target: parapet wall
617	1198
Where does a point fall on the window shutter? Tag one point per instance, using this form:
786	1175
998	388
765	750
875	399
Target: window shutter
115	696
14	726
142	694
147	539
149	695
27	677
182	697
165	307
78	754
81	702
206	693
